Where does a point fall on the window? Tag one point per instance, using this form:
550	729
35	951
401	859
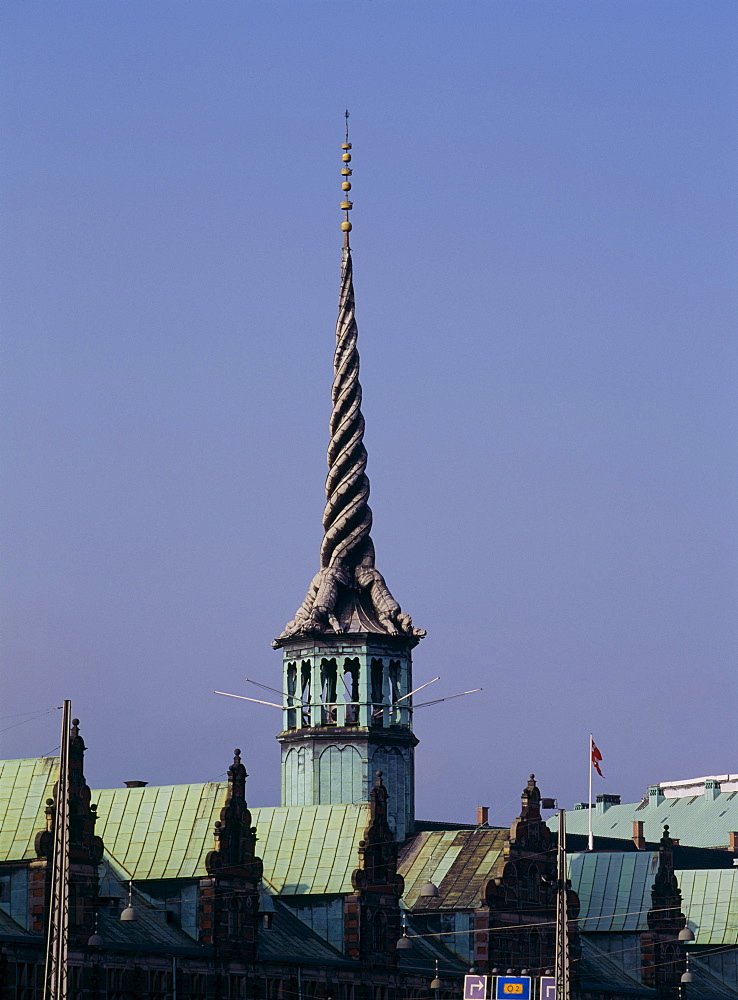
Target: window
534	950
74	982
237	987
291	690
234	920
305	671
274	989
501	948
379	932
377	684
328	678
395	692
29	981
157	984
115	984
351	684
198	986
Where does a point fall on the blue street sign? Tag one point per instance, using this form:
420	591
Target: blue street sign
513	988
548	988
475	987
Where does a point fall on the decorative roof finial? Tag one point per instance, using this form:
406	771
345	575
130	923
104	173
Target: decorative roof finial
346	172
349	593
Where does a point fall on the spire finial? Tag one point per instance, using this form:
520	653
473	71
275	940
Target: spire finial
346	172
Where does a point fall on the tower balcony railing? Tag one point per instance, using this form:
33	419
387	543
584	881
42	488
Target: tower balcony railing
349	714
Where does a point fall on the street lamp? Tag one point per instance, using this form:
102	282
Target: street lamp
95	940
404	942
130	911
687	976
436	983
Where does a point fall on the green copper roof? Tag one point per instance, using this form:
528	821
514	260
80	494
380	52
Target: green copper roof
696	820
25	785
459	862
167	832
614	889
160	832
711	904
615	894
310	849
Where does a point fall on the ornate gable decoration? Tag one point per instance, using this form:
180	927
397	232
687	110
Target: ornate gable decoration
527	869
666	896
84	846
377	869
235	837
529	830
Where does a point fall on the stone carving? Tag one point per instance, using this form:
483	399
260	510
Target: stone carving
348	592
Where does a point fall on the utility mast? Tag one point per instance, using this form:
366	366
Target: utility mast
57	941
562	915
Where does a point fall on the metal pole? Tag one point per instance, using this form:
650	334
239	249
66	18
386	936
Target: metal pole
562	916
590	842
57	942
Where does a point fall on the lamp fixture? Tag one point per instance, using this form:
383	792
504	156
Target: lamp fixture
436	983
130	911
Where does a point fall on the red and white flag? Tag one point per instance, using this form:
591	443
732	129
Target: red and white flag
596	758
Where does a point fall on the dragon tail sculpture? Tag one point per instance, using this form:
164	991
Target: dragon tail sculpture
347	572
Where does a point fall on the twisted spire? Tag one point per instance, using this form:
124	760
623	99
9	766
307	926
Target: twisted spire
348	594
347	518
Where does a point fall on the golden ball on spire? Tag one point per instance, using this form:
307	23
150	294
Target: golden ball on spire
346	186
346	227
346	157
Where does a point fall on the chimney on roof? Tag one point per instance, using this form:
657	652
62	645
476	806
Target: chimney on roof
655	796
482	815
135	784
712	789
638	838
733	841
605	801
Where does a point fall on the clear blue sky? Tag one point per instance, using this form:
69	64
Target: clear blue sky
545	261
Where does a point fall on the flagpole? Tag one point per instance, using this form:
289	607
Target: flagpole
589	800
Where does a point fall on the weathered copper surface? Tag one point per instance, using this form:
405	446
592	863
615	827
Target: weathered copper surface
348	593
